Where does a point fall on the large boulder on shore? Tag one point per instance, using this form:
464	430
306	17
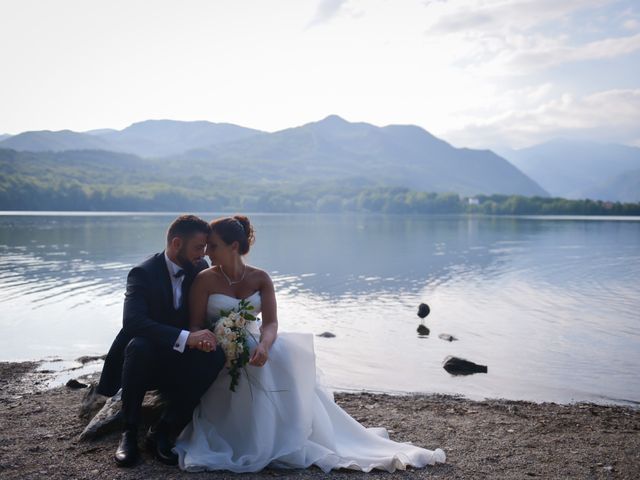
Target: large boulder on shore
460	366
109	417
91	403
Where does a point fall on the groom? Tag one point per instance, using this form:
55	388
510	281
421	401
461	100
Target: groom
155	350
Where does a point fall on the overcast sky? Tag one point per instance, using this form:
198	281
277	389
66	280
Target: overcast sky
478	73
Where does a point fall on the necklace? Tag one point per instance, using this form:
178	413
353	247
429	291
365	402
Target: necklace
229	280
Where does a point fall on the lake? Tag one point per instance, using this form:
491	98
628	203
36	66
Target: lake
549	304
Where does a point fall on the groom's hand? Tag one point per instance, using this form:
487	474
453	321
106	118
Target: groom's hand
204	340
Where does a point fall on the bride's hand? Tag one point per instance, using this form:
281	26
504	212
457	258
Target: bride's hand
260	356
203	340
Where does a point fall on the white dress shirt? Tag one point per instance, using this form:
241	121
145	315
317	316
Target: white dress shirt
176	284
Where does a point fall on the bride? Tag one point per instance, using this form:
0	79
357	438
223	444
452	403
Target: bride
279	415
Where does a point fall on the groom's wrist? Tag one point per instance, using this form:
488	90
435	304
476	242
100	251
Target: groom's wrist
181	342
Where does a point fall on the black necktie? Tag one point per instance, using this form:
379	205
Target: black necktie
179	273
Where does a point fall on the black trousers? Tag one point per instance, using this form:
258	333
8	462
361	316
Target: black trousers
182	377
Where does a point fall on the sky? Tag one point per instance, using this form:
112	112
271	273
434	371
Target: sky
477	73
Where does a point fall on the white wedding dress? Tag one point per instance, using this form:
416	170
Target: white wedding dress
280	416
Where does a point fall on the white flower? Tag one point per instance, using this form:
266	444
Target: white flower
219	330
241	322
227	322
227	331
234	317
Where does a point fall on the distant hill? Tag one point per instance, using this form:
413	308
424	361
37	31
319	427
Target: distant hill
153	138
320	166
45	140
147	139
102	180
82	180
331	149
100	131
4	136
622	188
578	169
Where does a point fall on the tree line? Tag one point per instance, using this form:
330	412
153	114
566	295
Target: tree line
20	192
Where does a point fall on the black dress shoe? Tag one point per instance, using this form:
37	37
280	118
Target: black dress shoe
127	452
160	445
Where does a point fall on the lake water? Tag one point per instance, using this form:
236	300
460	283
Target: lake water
550	305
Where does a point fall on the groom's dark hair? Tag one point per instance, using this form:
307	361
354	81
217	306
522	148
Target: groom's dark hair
185	226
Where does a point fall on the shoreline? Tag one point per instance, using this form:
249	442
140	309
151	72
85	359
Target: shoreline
54	374
160	213
482	439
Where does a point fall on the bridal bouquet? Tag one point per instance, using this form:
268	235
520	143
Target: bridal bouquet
231	335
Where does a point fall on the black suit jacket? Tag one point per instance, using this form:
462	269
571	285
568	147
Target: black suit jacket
148	312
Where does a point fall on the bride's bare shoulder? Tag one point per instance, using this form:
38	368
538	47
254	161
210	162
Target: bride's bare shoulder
207	272
259	275
207	275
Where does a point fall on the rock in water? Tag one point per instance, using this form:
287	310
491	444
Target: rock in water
423	330
327	335
90	358
423	310
447	337
460	366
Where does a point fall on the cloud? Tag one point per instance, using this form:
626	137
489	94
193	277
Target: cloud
493	16
327	9
499	37
631	24
549	53
608	116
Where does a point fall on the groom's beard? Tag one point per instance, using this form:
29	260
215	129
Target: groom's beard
183	260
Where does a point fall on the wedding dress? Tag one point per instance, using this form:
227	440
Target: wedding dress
281	416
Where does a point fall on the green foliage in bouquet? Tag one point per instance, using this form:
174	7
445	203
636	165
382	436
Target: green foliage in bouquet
232	336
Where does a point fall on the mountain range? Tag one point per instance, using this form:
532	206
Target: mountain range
580	169
330	150
150	138
335	150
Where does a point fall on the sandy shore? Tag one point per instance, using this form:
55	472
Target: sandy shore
488	439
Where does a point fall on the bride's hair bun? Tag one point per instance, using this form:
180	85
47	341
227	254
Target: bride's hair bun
248	229
235	229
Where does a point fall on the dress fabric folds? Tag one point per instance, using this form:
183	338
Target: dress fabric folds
281	416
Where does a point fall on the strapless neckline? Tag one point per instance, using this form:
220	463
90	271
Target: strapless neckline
257	292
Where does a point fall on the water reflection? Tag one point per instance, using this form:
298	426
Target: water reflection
549	304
